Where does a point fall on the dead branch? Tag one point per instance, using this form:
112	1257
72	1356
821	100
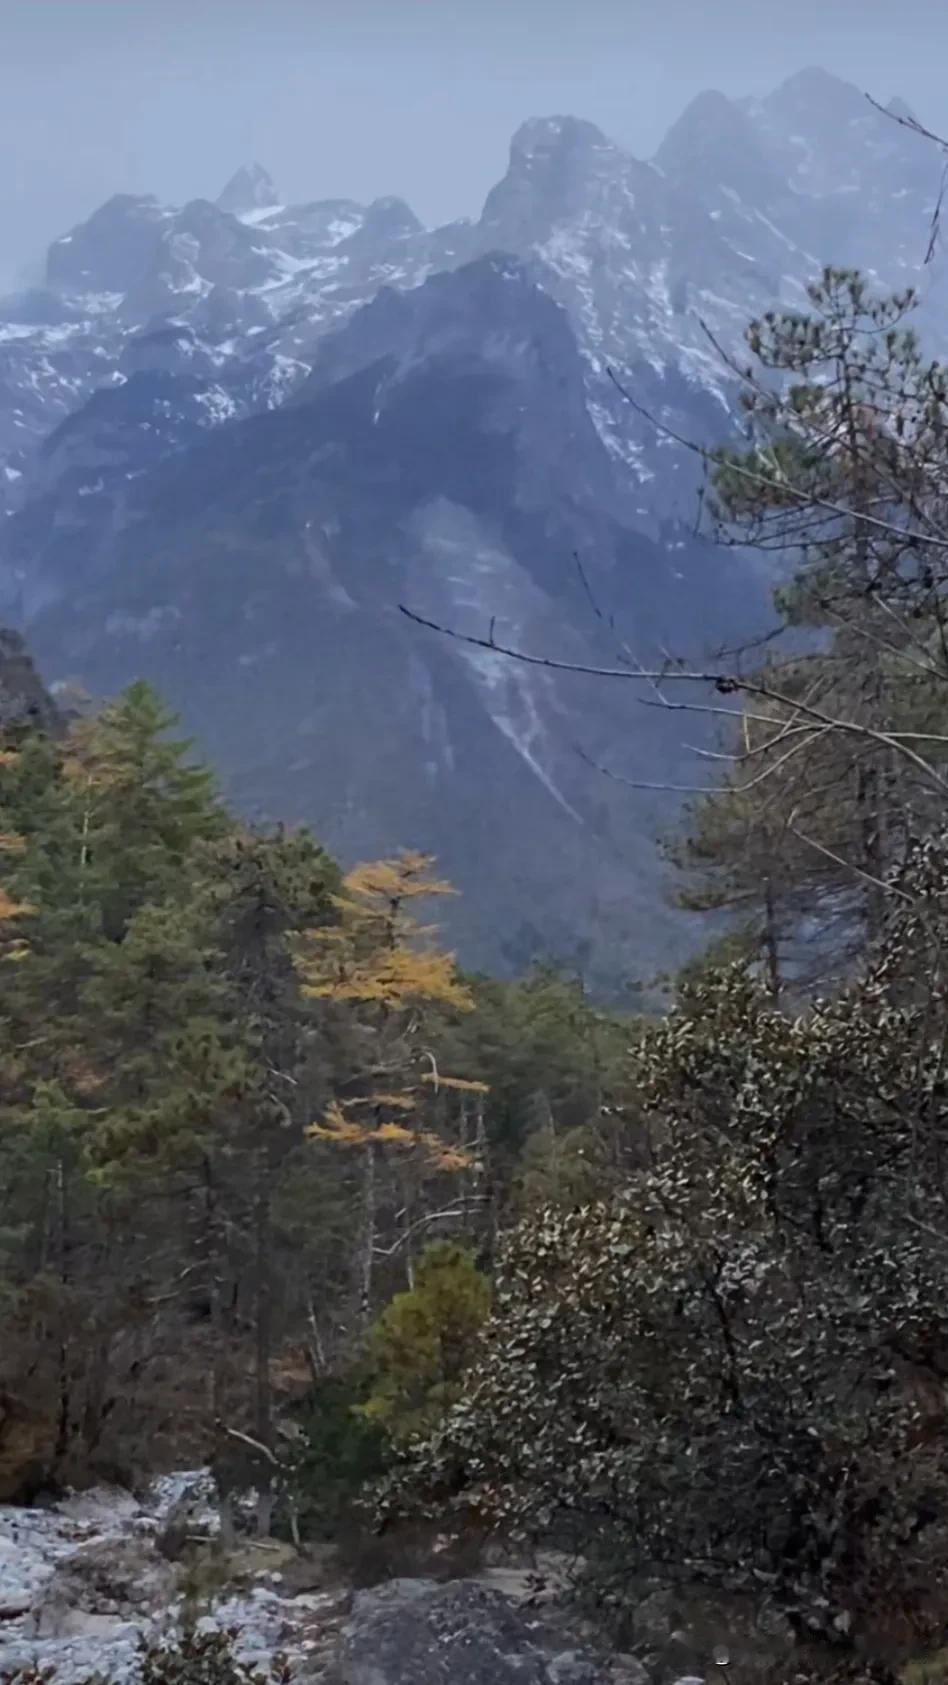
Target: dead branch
848	865
727	683
916	128
255	1444
451	1213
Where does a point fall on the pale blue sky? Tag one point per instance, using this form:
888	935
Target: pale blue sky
364	97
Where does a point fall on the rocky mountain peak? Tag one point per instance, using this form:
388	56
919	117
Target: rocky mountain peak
813	89
389	217
708	110
545	142
712	143
556	163
828	140
110	250
251	188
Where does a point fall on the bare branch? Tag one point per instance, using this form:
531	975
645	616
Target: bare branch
728	683
451	1213
766	772
847	865
907	121
255	1444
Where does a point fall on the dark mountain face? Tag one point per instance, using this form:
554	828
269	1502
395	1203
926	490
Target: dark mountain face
110	252
235	437
23	696
443	458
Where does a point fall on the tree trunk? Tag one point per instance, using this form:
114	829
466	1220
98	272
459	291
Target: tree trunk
367	1252
64	1384
771	944
263	1512
210	1245
225	1515
263	1309
484	1186
869	804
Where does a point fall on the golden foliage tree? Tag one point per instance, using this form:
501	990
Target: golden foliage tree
378	970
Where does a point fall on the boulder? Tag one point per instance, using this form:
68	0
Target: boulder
13	1604
123	1578
654	1620
184	1510
629	1670
391	1594
462	1633
546	1584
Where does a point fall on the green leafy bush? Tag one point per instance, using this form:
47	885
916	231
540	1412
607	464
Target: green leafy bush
732	1370
340	1454
424	1341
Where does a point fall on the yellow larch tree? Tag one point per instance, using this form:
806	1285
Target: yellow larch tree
379	968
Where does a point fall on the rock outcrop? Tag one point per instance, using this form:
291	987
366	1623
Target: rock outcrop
23	696
463	1633
110	1580
85	1581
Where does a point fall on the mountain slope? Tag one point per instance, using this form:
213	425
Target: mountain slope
444	457
235	436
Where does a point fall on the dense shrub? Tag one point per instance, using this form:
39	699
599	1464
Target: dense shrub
732	1371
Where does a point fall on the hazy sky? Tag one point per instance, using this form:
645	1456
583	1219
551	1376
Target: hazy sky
364	97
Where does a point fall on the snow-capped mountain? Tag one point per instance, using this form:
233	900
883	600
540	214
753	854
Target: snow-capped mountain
234	435
739	208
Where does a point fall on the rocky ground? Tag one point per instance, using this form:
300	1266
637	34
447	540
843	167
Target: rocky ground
84	1581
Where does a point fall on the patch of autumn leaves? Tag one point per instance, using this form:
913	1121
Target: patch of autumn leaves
376	953
378	957
346	1131
387	978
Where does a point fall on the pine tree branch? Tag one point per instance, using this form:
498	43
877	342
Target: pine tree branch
786	488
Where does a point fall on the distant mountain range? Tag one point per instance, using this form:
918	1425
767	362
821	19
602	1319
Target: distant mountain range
235	436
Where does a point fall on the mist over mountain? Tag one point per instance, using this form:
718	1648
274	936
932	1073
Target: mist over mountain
236	435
